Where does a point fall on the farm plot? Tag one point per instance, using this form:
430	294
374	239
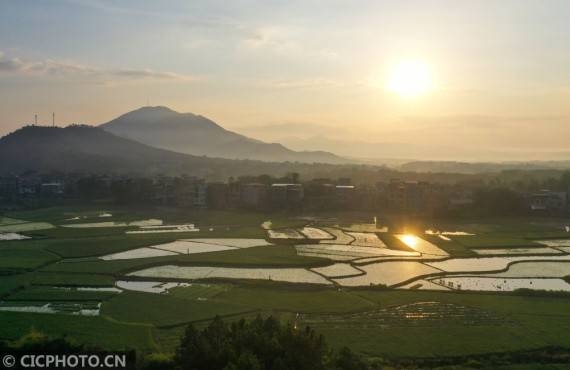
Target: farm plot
536	269
340	237
138	253
165	229
156	287
421	245
337	270
24	257
555	242
511	251
69	308
488	263
418	314
314	233
348	252
13	236
56	294
198	292
293	275
24	226
480	283
452	233
284	234
366	240
186	246
234	243
367	228
423	285
387	273
164	309
140	223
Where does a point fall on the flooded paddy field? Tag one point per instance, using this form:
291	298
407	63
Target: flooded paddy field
292	275
338	270
138	285
13	236
349	252
314	233
501	284
387	273
513	251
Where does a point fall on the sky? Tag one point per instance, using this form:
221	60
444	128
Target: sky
299	69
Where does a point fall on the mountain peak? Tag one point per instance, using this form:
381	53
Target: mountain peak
156	108
189	133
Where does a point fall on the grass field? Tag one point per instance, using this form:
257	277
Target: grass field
494	241
98	331
24	256
164	310
76	279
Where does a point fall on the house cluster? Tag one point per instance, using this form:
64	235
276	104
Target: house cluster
409	197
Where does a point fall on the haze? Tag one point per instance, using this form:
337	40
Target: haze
308	74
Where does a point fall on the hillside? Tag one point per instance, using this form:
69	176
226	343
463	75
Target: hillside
87	149
193	134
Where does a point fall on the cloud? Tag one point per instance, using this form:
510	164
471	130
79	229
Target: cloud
67	70
310	83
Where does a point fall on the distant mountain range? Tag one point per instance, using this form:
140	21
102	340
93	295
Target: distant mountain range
188	133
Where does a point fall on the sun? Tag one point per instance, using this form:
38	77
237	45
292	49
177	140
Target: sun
409	78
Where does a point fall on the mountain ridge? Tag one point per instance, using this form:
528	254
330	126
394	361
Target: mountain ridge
194	134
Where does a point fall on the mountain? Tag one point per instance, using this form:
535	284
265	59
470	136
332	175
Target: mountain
481	167
188	133
82	148
87	149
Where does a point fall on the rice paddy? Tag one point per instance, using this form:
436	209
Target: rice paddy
349	252
292	275
155	287
140	223
513	251
13	236
338	270
355	287
285	234
502	284
314	233
387	273
421	245
366	240
488	263
536	269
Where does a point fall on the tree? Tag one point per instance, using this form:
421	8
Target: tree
259	344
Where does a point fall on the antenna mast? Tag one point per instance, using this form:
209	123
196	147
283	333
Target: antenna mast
35	119
53	119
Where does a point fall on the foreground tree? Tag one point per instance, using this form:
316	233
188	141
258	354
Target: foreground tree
259	344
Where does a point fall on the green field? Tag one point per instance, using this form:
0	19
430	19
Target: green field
374	322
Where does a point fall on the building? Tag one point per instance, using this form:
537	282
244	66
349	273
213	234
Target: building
52	189
344	194
546	200
286	195
253	195
217	196
414	196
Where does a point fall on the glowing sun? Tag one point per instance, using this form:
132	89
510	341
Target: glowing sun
409	79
